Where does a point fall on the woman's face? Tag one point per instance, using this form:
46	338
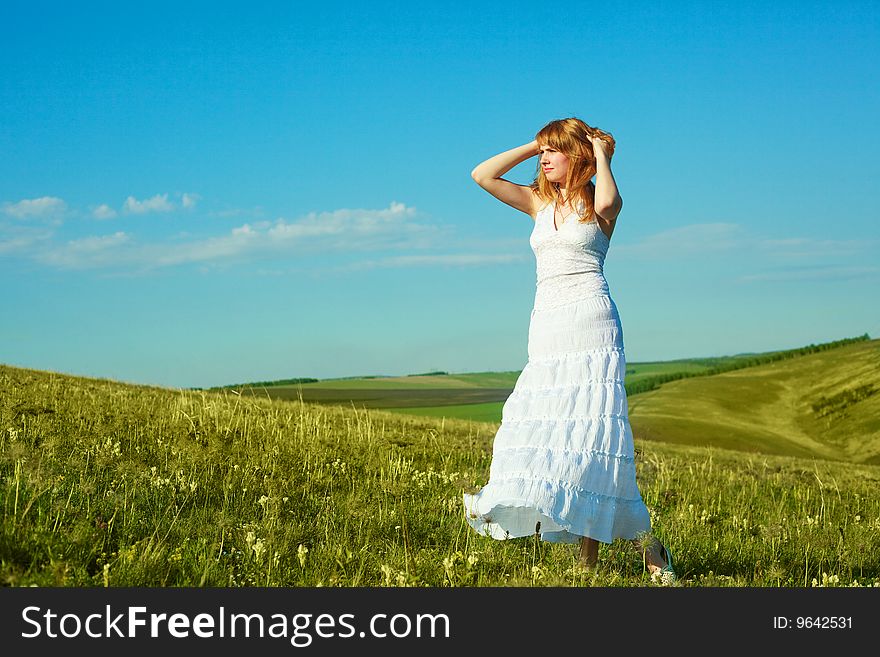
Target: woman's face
554	164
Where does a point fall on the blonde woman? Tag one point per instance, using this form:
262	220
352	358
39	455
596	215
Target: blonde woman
563	458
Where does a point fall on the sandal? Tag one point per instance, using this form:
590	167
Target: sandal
666	575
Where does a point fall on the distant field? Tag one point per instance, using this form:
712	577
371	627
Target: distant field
463	380
817	401
473	412
464	396
390	398
480	396
823	405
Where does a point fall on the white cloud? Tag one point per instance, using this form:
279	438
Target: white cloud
399	228
22	241
352	230
450	260
812	273
103	211
22	238
812	248
339	230
683	240
45	206
158	203
87	252
393	227
189	200
714	239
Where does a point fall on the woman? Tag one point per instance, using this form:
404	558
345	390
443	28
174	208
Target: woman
563	459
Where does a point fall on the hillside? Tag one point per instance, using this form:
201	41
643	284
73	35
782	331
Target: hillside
479	396
108	484
823	405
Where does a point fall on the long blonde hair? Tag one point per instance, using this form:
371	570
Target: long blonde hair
571	137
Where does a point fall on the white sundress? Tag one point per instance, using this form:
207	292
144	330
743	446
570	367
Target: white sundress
562	459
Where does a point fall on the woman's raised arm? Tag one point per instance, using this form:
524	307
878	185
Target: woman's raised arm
488	176
607	201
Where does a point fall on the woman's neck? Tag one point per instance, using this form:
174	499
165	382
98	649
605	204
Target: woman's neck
563	195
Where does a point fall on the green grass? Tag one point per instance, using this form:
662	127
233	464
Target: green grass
822	405
475	412
104	483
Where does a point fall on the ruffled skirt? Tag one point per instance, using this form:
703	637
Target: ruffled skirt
562	459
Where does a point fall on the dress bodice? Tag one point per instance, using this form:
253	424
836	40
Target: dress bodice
570	258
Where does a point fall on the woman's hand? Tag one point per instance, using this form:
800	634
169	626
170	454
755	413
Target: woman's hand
599	147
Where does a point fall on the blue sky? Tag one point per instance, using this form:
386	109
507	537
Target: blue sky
194	194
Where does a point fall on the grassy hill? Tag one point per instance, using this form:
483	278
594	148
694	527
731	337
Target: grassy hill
823	405
480	395
104	483
813	401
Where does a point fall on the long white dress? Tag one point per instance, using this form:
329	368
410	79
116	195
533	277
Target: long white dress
563	455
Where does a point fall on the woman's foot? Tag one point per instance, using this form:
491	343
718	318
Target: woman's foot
664	575
658	559
589	554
